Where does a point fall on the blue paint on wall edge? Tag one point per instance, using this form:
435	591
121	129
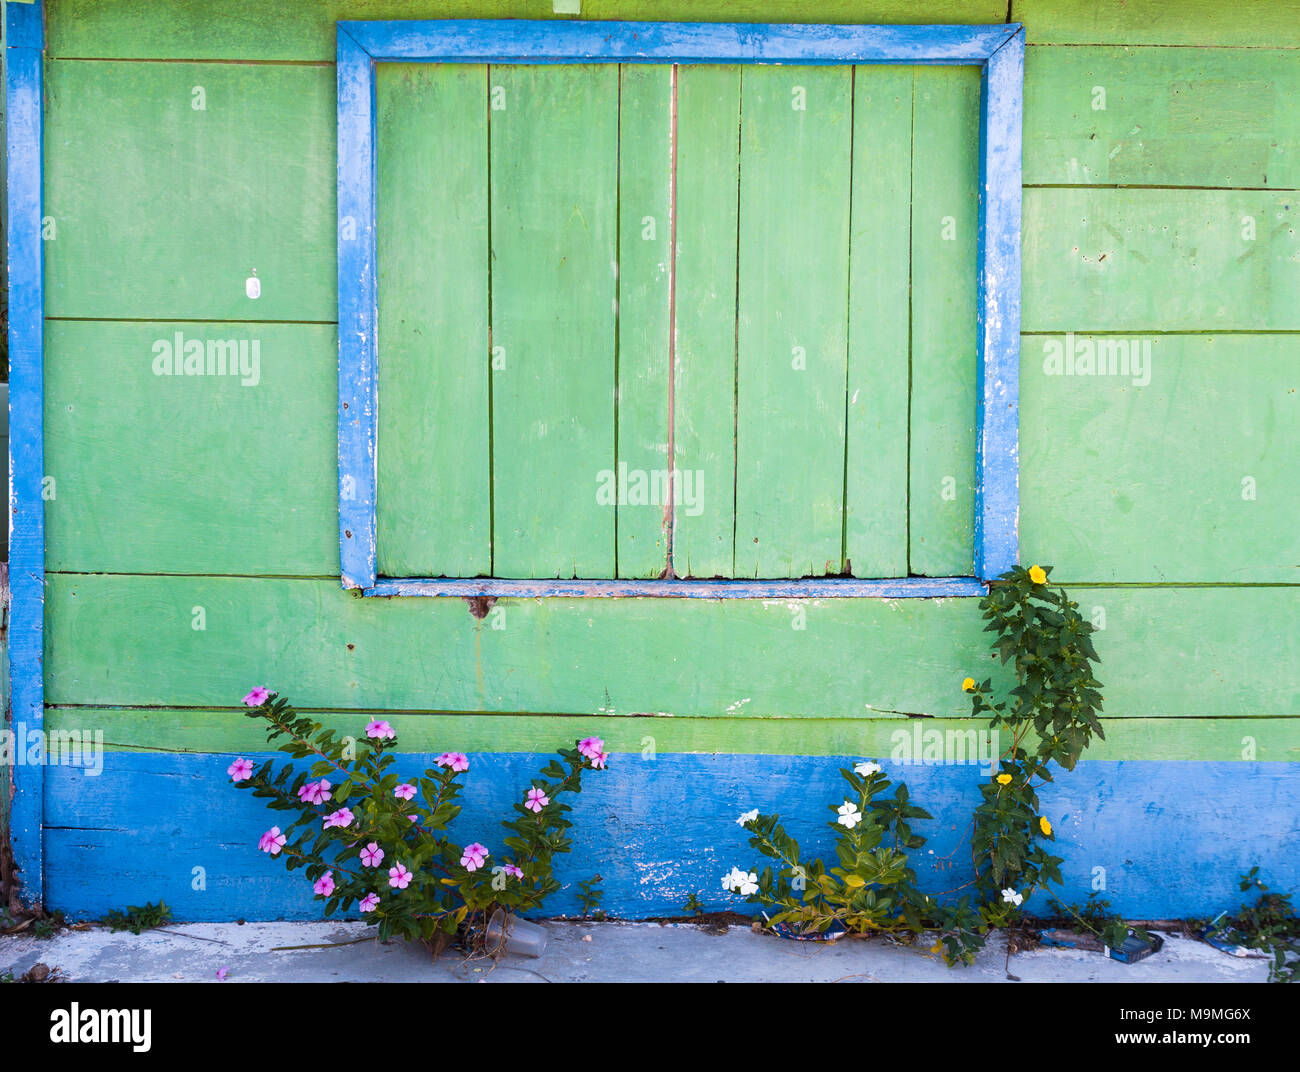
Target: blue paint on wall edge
24	119
999	49
1155	834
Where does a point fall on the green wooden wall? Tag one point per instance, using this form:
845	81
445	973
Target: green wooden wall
526	421
1165	220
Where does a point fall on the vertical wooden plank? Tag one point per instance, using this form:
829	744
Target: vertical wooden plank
554	146
875	483
357	313
24	127
433	453
997	452
644	275
793	320
708	160
945	179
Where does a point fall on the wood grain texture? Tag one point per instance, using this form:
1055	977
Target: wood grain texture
945	179
645	161
875	503
704	429
1183	468
1162	117
190	730
656	829
201	199
25	549
1161	260
434	466
1251	23
291	30
554	178
198	473
1167	651
792	320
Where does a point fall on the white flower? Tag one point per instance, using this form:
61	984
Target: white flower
1011	897
849	815
748	817
867	769
738	881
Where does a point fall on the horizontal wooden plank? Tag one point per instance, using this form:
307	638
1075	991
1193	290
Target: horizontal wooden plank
159	462
661	827
891	738
291	30
1160	260
1173	459
172	185
1255	23
1162	117
132	641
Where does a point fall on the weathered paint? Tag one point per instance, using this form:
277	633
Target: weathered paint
874	733
1134	491
24	118
1169	651
357	312
659	829
493	41
547	414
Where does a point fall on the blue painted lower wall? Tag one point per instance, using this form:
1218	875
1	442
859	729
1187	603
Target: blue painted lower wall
1172	837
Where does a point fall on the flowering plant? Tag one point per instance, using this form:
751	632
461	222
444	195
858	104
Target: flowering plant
871	890
1052	715
369	837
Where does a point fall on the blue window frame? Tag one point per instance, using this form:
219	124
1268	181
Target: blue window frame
998	49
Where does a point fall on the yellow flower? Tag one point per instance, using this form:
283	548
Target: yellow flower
1037	574
1004	779
968	684
1044	825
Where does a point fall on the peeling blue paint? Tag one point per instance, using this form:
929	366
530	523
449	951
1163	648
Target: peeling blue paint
24	120
998	49
659	829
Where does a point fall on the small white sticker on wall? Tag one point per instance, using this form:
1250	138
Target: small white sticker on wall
253	286
566	7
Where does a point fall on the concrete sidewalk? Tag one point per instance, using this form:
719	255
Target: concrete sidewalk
577	952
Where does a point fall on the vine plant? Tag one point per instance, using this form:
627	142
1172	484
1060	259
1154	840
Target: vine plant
1051	715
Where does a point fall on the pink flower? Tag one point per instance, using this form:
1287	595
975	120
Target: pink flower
257	697
222	972
457	761
414	818
372	855
537	799
474	856
381	730
324	885
405	791
368	902
598	762
241	770
272	841
513	871
398	877
314	792
591	747
342	817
